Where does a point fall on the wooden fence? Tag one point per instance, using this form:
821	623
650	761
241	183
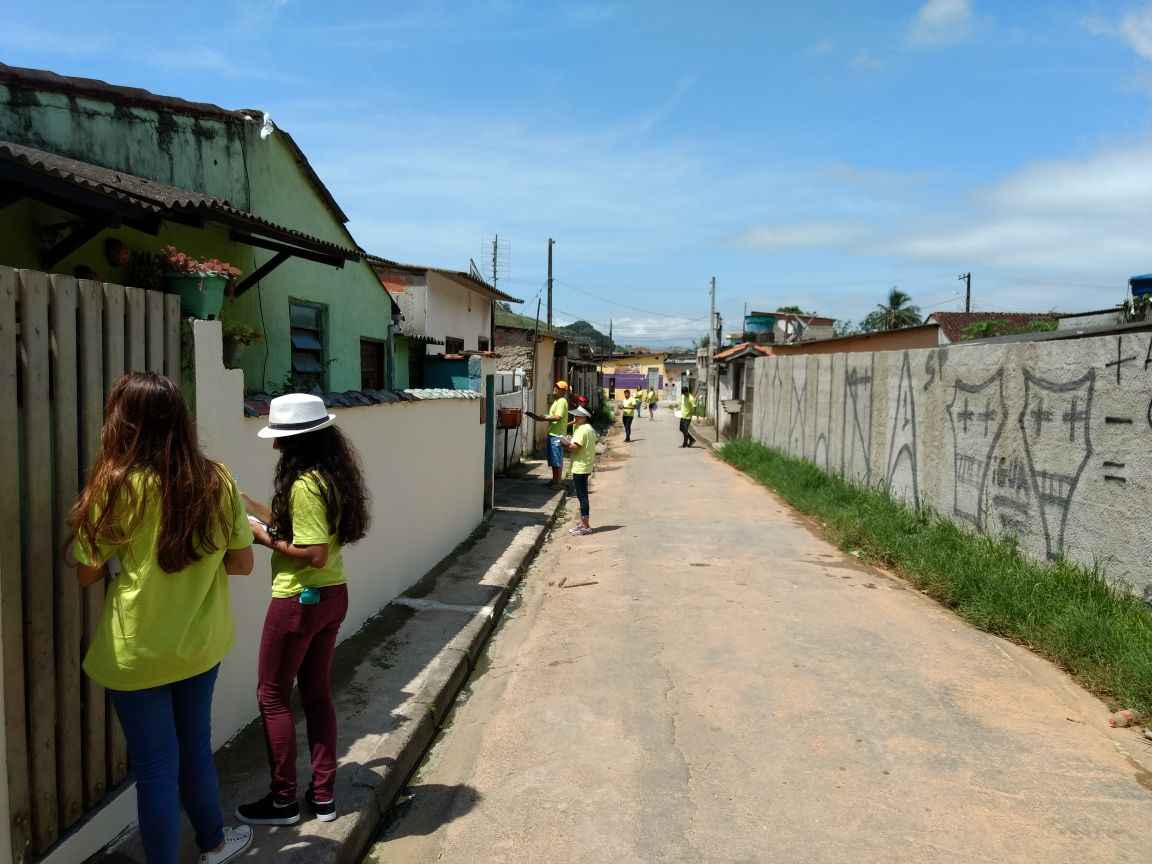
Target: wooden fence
63	344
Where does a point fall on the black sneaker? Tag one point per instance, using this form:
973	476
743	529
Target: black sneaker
325	811
269	811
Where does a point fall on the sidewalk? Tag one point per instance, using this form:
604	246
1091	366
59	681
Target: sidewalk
395	682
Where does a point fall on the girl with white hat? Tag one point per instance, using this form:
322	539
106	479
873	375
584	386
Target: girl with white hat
319	506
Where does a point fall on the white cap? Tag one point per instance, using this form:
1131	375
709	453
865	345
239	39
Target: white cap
579	412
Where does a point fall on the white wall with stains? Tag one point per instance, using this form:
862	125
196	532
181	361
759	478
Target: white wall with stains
1049	442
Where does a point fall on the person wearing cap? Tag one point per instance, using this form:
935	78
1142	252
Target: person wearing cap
582	446
319	506
557	426
628	413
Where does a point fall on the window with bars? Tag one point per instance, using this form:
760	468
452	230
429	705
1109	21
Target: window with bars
308	365
372	363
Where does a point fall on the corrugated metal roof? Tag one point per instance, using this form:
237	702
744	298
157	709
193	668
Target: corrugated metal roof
143	194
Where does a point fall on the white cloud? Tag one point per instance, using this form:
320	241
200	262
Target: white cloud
941	21
199	58
801	236
823	47
1136	29
1080	215
866	62
22	37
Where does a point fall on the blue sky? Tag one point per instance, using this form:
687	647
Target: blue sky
799	152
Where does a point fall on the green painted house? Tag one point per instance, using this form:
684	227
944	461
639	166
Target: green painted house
96	178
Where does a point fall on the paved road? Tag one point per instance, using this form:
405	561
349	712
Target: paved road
734	689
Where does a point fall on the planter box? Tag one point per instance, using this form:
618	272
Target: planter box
200	296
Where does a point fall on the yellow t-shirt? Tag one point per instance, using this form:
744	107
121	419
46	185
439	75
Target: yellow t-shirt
157	628
687	406
310	527
653	397
559	409
584	459
629	406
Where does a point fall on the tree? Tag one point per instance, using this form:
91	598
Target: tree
845	328
897	312
792	310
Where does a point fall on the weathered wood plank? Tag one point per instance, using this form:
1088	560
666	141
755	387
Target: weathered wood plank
39	602
11	580
69	613
116	363
95	731
172	337
114	351
136	335
155	303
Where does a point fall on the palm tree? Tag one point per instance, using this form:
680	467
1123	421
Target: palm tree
896	313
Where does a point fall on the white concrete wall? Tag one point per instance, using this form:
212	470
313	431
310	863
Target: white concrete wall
510	442
1044	441
455	311
424	464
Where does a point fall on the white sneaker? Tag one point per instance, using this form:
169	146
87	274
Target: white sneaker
236	840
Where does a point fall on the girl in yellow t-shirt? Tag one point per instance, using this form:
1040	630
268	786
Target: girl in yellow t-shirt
175	523
320	505
582	446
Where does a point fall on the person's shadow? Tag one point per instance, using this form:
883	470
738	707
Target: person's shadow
423	809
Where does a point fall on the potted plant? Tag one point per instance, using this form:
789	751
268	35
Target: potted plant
200	282
237	337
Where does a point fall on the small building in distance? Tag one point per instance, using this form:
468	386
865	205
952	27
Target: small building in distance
903	339
963	326
780	328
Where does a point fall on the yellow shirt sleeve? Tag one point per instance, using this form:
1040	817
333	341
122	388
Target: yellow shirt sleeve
241	534
309	514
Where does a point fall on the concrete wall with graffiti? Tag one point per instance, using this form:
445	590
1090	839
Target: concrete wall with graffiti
1049	442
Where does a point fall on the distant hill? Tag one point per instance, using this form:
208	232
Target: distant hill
577	331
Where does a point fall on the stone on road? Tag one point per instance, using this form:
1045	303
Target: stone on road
735	689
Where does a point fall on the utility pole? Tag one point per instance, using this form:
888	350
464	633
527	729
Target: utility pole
713	383
967	280
551	243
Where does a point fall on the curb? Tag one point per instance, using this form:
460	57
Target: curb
399	752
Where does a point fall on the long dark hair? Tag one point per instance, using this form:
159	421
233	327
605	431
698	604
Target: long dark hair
147	427
330	455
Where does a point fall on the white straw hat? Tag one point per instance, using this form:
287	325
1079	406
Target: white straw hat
580	412
295	414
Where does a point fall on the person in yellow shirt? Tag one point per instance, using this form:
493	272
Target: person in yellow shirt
582	446
653	399
320	505
687	410
173	522
557	420
628	413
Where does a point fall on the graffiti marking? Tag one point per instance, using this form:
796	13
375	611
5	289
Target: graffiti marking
972	450
902	448
1056	473
1120	360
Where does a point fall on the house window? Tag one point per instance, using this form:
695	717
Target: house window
453	346
484	343
372	364
307	345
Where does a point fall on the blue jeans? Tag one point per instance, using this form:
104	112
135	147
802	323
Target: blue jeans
169	734
580	482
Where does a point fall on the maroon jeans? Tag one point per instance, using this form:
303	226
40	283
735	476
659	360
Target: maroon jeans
298	643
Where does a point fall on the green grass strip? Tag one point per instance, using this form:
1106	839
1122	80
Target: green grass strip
1074	616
